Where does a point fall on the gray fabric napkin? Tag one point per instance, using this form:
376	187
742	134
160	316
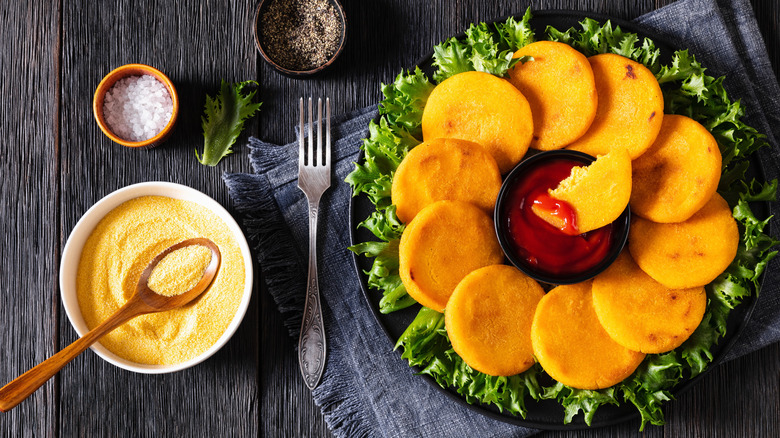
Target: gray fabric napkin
367	389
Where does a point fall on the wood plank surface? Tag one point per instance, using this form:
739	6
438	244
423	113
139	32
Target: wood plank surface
195	43
56	163
29	203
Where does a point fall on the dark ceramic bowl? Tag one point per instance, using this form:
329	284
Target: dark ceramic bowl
262	7
500	215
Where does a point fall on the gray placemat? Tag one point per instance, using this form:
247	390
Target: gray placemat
367	389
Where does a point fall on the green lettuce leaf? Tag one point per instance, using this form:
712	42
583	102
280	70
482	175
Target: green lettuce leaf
450	58
515	34
575	400
384	149
384	223
484	49
756	249
647	388
421	340
696	350
689	91
595	38
425	345
223	120
384	275
684	67
405	99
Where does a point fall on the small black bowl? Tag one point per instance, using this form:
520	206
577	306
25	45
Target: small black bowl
620	226
298	74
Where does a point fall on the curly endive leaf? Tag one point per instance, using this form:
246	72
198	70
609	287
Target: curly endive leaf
484	49
425	344
223	120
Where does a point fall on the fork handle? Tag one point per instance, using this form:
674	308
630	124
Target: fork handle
311	343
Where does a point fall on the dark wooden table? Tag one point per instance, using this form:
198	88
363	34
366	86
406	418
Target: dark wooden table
56	163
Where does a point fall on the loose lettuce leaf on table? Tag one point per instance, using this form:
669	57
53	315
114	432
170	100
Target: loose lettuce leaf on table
223	120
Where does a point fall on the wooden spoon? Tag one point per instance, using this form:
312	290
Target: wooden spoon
143	301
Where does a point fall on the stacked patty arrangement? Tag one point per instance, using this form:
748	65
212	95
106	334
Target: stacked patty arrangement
487	325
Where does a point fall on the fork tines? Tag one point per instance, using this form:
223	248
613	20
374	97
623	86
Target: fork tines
312	157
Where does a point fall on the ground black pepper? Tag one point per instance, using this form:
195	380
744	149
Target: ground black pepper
300	35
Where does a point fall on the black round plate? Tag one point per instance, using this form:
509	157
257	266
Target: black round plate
545	414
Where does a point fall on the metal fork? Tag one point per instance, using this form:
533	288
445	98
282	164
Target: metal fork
313	180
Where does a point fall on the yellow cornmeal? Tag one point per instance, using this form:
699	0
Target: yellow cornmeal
121	247
180	270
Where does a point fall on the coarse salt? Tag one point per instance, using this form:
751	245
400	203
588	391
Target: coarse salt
137	108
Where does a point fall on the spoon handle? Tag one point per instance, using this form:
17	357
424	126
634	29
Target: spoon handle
20	388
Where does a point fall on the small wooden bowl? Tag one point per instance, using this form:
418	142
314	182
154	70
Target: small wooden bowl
298	74
134	70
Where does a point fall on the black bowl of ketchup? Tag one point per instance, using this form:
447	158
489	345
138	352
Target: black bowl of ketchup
542	251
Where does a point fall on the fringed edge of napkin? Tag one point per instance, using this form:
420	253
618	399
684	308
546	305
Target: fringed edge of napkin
265	228
341	412
285	278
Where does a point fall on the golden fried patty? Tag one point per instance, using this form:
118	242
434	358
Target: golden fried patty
560	88
690	253
445	169
572	346
630	107
640	313
488	319
443	243
482	108
678	174
598	193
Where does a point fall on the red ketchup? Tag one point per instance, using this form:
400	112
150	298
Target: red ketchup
549	250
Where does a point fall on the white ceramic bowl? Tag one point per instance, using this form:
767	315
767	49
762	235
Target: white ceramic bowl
72	254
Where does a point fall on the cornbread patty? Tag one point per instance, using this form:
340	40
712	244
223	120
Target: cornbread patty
598	193
640	313
630	107
678	174
488	319
560	88
482	108
686	254
445	169
445	241
572	346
